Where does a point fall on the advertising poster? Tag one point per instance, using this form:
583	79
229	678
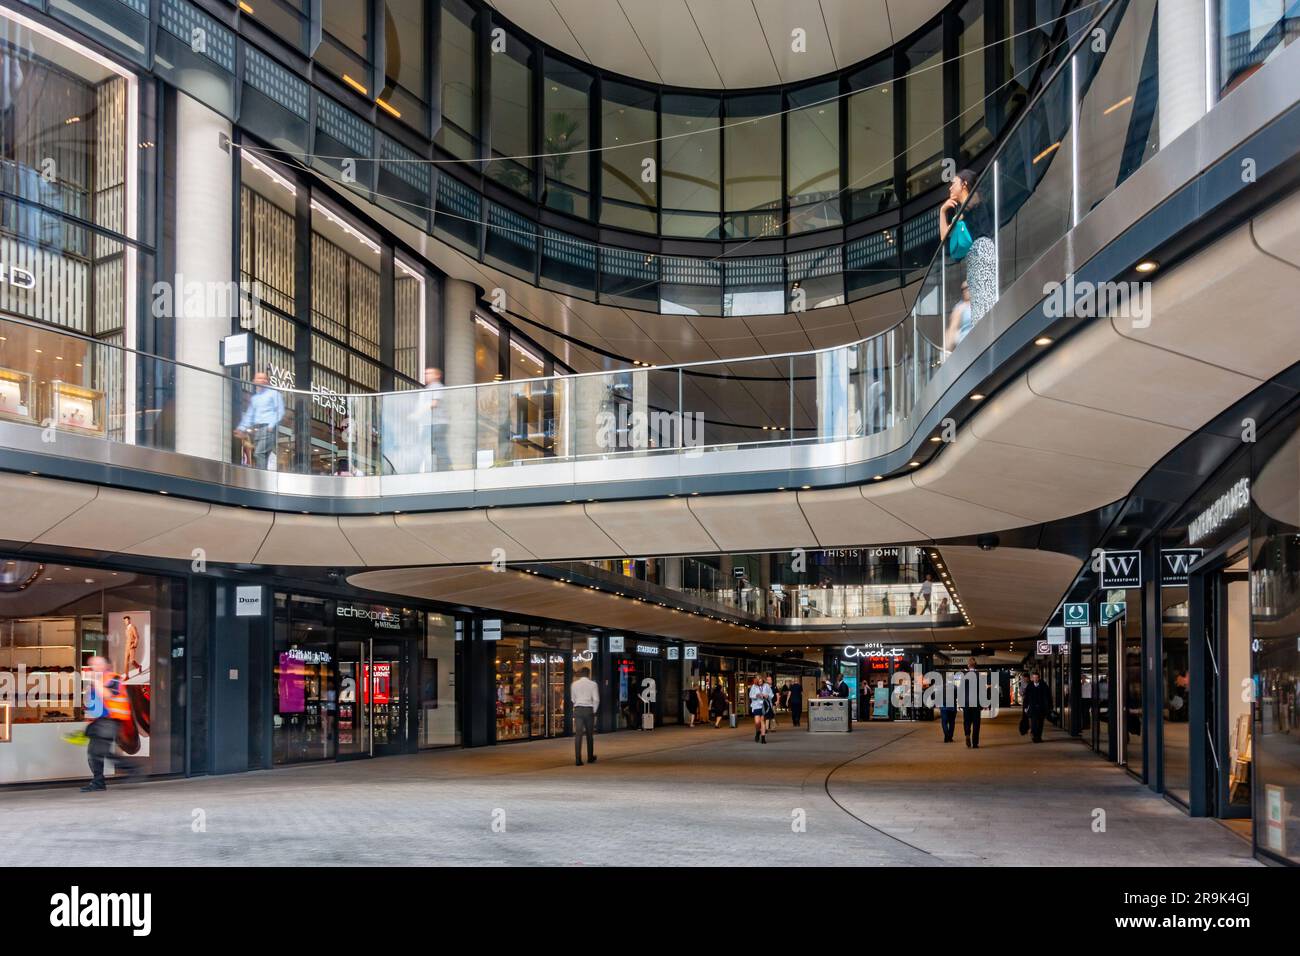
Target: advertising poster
130	649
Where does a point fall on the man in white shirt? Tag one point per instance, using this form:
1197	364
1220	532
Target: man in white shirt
584	696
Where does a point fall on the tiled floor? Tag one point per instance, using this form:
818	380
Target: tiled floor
887	793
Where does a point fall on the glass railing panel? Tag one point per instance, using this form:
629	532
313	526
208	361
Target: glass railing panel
517	421
603	410
1250	34
1118	97
741	403
1033	196
265	433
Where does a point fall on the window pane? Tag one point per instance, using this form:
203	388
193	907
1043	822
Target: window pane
345	48
692	172
813	158
973	131
566	135
512	116
922	63
348	21
487	350
871	140
459	64
628	134
404	65
753	166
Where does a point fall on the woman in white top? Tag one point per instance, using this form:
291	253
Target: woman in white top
759	696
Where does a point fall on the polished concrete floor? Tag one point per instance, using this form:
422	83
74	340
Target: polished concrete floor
884	794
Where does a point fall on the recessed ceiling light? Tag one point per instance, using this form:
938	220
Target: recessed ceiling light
1043	340
935	438
877	477
913	464
977	396
1147	265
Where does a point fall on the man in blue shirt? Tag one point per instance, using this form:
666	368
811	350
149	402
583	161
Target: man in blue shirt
261	417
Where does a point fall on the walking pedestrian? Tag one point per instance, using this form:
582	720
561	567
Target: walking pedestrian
109	708
759	695
970	710
692	700
261	419
718	705
1038	704
584	695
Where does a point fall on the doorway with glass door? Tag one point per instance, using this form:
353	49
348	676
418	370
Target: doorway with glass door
375	709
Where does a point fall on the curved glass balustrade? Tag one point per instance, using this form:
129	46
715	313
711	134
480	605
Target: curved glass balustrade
1090	129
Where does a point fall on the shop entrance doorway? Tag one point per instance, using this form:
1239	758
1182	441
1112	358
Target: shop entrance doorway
1223	589
550	672
375	705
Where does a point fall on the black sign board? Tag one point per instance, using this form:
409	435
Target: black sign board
1174	565
1121	569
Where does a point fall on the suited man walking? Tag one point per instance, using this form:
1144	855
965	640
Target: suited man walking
970	704
1038	705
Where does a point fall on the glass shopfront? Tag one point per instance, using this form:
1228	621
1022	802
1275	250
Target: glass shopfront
644	671
360	680
532	669
54	619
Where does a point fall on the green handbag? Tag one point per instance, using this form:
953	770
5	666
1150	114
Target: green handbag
959	241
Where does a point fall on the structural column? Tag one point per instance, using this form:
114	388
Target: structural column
458	300
201	291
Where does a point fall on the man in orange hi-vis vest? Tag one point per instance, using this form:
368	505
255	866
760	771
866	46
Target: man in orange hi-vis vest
107	707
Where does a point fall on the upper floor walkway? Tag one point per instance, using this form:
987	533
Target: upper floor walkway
1017	407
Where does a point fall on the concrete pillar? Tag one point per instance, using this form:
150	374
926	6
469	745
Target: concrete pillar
672	573
1182	54
458	299
204	270
641	410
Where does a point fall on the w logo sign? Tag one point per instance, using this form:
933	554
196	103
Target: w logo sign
1175	564
1121	569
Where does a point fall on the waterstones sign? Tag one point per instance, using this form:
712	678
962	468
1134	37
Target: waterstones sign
1229	505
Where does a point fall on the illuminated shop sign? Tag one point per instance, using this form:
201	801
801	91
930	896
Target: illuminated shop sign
579	657
871	650
648	650
379	617
307	657
1228	505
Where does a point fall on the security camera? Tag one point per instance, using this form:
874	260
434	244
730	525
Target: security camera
987	542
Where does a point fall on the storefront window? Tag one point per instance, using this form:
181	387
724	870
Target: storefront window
511	689
1177	692
629	187
458	62
345	680
512	117
812	155
54	620
870	179
439	709
692	173
973	134
566	138
1275	601
752	173
345	42
1250	34
403	95
922	70
487	350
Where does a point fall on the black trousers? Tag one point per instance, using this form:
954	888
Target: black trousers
970	724
948	721
1036	727
102	731
584	723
